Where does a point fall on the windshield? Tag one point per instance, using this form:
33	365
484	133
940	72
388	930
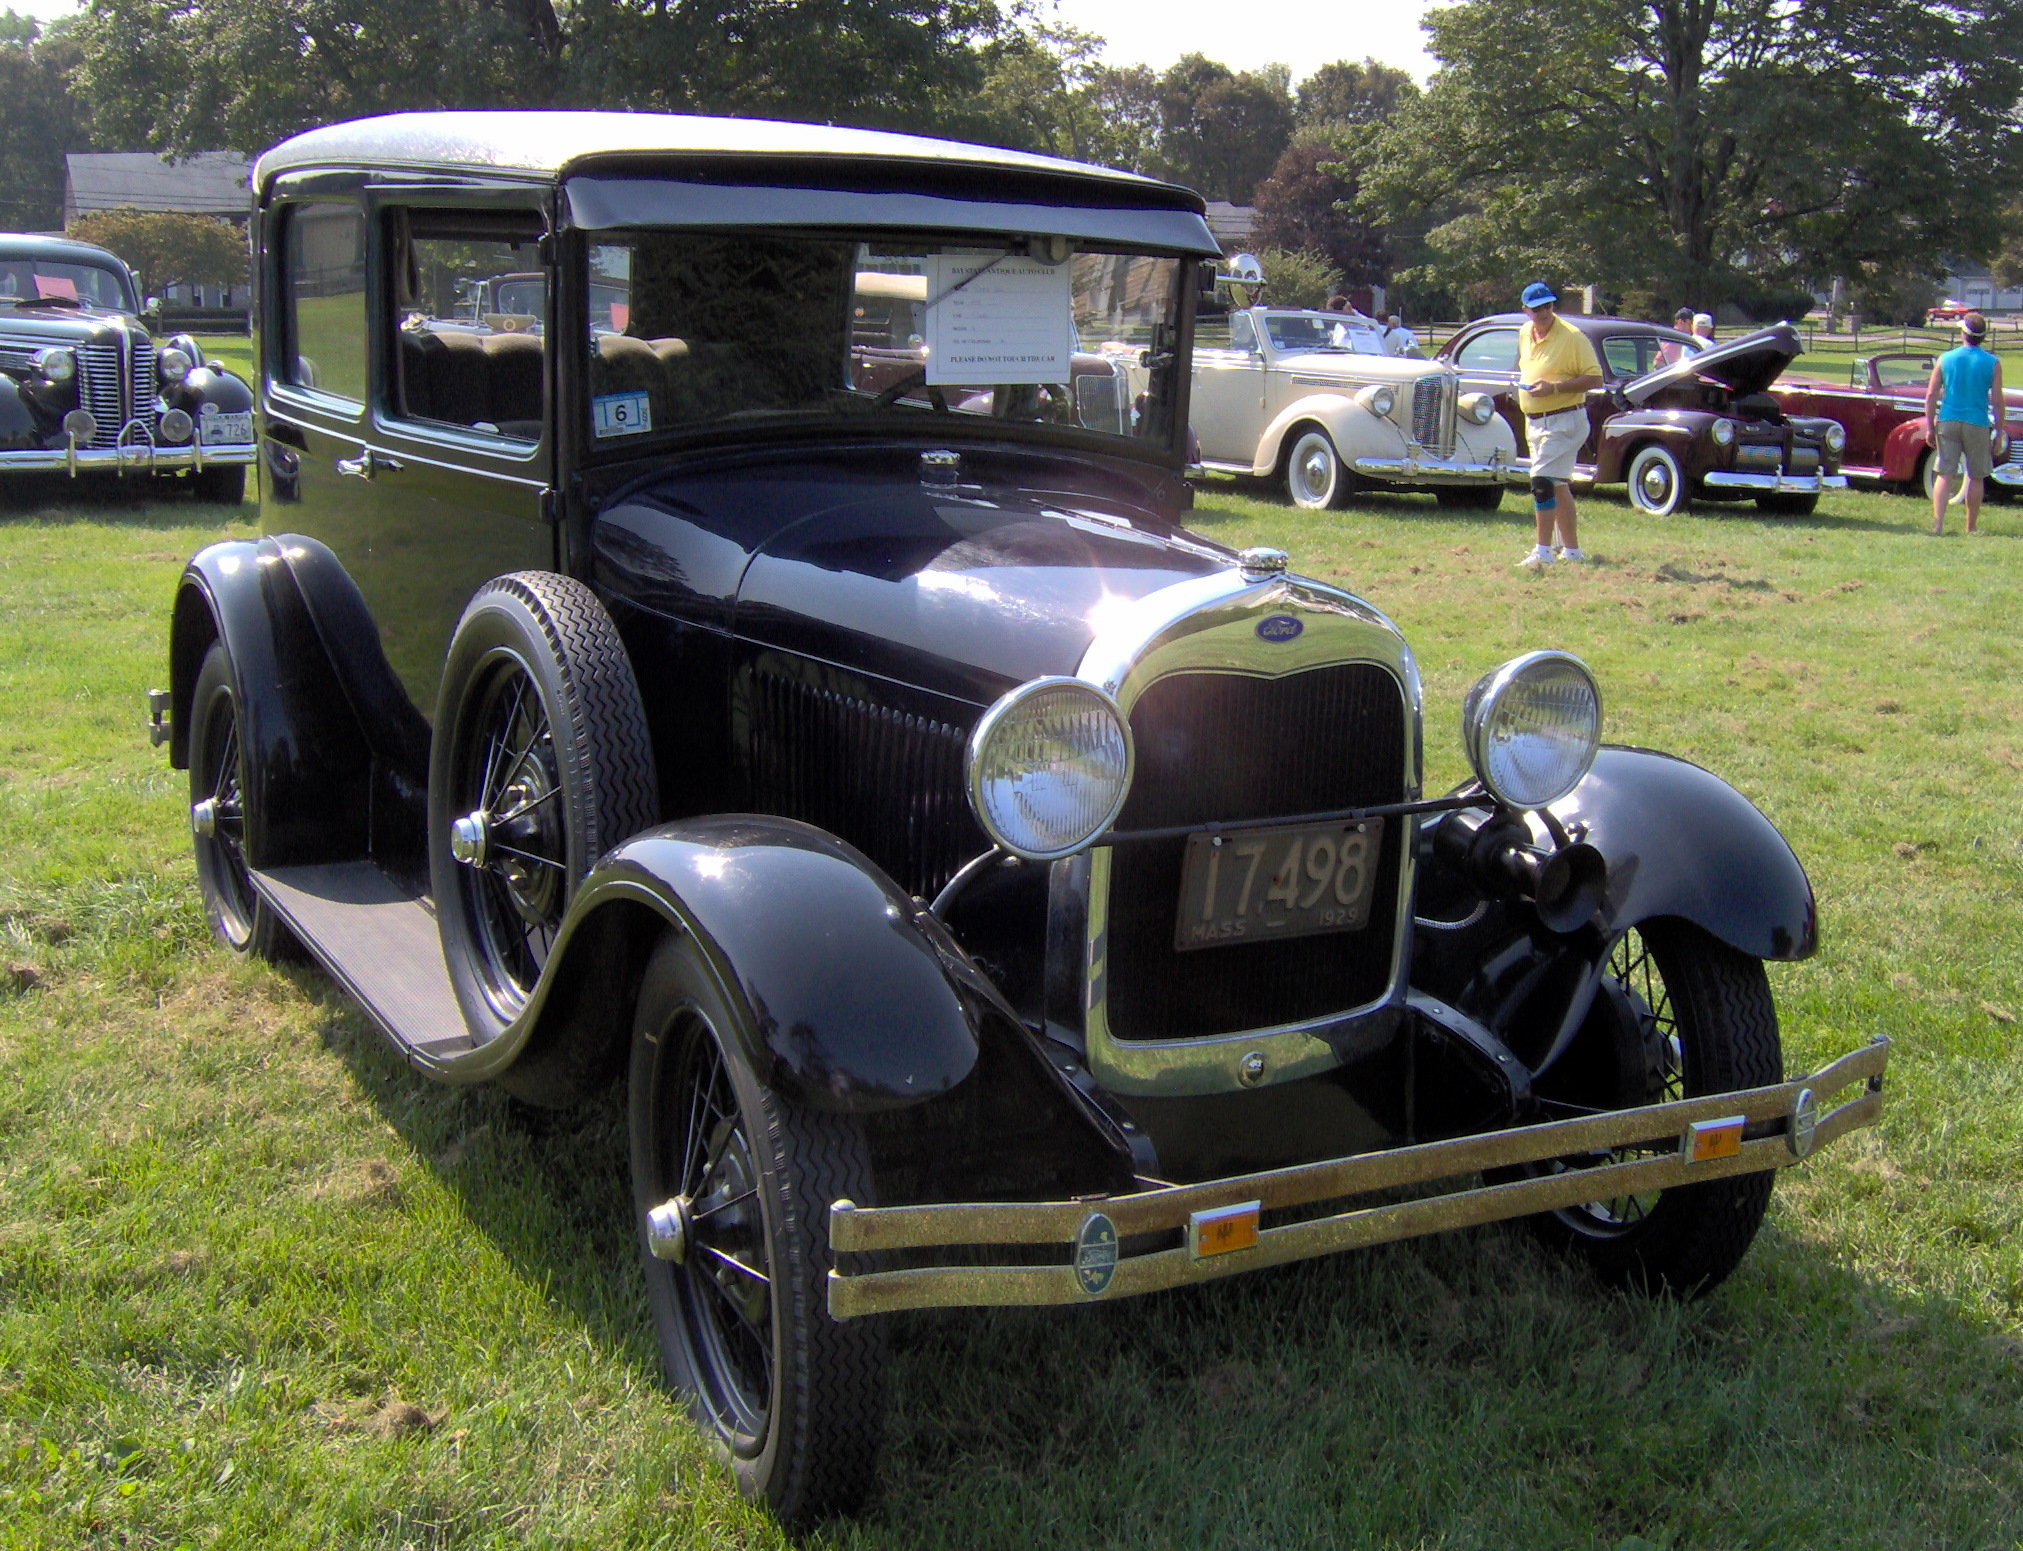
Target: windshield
689	330
1324	331
41	279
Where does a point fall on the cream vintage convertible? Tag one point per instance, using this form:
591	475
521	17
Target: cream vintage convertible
1282	393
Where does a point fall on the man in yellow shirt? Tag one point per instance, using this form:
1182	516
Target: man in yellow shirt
1555	368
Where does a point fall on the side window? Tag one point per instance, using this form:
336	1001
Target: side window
323	272
1627	357
473	316
1495	351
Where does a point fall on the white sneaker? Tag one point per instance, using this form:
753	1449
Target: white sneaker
1573	556
1537	560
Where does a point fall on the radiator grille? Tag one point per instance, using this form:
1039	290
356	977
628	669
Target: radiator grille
1431	420
889	782
1224	747
19	357
115	381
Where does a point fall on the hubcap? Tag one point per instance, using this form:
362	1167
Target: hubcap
1656	483
467	839
667	1230
1315	472
204	818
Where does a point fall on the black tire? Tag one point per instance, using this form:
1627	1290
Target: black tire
792	1400
1691	1016
1469	498
221	485
243	921
1787	504
541	745
1315	479
1657	486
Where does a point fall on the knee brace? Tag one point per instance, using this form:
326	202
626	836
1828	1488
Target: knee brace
1543	494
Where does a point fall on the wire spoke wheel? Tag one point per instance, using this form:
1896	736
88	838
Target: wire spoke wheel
243	921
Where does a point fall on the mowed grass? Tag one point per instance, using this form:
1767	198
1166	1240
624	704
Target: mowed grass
262	1286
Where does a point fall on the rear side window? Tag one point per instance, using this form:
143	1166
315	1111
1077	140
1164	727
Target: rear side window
1630	355
473	316
1495	351
323	276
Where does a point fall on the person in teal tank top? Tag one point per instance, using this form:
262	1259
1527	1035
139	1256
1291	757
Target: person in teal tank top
1963	412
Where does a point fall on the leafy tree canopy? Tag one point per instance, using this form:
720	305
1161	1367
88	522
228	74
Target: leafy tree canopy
1707	146
1220	131
164	248
1309	202
1344	92
39	121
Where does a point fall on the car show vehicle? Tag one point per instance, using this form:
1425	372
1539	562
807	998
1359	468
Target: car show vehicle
1881	407
1676	427
1310	399
988	891
86	387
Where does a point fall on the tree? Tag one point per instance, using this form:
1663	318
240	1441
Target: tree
1220	131
1298	277
39	121
1308	202
1707	147
1365	95
164	248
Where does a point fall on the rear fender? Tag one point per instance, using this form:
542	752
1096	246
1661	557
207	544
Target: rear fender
306	766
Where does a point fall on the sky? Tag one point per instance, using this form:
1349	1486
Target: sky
1299	33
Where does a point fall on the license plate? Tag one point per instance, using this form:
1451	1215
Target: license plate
1264	885
221	430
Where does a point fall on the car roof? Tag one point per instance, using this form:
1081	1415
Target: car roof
550	143
1597	323
34	245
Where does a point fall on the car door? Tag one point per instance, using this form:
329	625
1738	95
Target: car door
1228	407
1487	362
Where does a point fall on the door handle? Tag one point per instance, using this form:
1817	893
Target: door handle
367	464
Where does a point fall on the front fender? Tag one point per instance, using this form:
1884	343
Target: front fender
1680	841
1622	433
1355	430
306	766
1902	448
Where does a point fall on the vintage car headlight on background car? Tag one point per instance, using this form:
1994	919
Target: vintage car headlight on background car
1836	436
1377	398
1478	407
1049	768
57	365
1723	432
173	364
1531	728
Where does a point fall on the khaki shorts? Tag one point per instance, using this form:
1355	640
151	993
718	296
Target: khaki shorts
1958	439
1555	442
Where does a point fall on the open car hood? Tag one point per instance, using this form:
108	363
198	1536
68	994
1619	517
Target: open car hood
1746	365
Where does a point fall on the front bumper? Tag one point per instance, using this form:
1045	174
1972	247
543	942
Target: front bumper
1417	468
1784	1123
137	452
1806	484
2007	474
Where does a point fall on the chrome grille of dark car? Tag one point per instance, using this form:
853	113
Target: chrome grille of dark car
18	356
102	389
1228	747
1432	413
889	782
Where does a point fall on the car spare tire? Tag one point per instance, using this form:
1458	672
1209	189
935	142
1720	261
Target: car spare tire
540	763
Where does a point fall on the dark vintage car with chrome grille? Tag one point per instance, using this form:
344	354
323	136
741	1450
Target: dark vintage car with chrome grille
1296	396
84	384
987	890
1672	421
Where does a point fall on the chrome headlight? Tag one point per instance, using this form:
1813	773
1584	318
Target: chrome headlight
1836	436
56	365
1531	728
1723	432
1049	768
1478	407
1377	398
173	364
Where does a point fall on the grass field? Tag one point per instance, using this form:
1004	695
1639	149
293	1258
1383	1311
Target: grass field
262	1286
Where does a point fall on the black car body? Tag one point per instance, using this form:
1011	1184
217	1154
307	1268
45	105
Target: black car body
85	386
1675	418
873	768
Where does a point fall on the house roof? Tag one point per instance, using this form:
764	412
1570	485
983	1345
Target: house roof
1231	223
207	183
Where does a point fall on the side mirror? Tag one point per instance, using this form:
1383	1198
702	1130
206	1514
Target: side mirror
151	314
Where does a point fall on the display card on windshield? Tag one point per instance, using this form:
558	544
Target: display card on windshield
995	318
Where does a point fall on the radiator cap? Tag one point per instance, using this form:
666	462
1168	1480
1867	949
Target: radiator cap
1260	564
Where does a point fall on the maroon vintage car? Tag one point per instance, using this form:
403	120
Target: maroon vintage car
1882	408
1673	427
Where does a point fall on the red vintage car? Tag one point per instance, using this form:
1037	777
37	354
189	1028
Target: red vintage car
1882	408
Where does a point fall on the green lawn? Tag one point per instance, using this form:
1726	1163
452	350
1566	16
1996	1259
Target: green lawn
262	1286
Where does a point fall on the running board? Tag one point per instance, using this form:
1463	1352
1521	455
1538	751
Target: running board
378	941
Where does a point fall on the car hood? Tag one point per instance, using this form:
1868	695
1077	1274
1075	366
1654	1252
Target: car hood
1746	365
64	325
1360	368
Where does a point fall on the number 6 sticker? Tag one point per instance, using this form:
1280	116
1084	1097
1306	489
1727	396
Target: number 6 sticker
621	414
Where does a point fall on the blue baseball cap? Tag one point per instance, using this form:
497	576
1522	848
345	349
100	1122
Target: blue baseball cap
1538	294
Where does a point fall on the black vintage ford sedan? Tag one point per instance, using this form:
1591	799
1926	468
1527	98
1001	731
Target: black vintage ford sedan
988	891
85	386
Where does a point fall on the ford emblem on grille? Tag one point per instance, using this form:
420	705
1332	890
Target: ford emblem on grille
1278	627
1096	1254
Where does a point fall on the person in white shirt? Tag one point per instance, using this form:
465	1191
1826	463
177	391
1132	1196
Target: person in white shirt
1399	340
